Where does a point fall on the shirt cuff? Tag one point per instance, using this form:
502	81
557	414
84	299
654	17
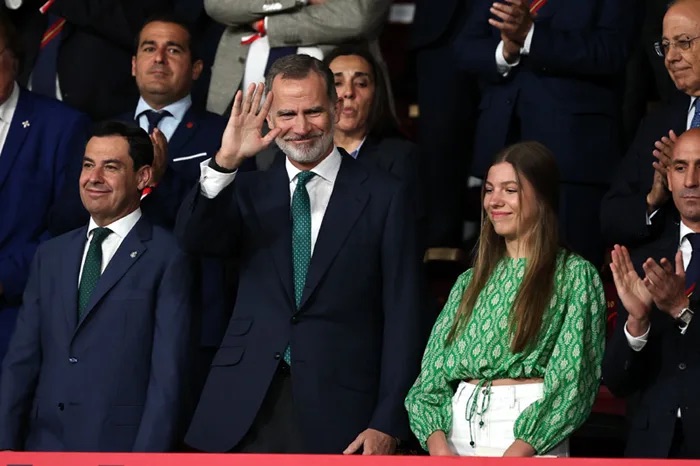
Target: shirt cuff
13	4
502	65
212	182
637	343
525	49
650	216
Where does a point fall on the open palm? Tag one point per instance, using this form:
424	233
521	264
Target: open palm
630	288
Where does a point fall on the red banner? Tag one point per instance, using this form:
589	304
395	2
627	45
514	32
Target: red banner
191	459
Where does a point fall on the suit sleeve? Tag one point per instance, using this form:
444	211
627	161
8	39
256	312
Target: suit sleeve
118	21
162	411
14	267
623	211
601	49
20	368
402	339
623	368
209	226
245	12
332	22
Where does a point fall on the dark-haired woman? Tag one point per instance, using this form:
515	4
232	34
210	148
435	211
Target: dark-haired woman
512	366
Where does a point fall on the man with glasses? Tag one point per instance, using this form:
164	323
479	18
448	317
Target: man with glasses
637	209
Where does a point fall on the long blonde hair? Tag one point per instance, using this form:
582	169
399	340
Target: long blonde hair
535	163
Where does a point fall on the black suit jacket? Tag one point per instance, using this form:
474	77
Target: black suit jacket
356	338
97	44
660	378
434	20
624	207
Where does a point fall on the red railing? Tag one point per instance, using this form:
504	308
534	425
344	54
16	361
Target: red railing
191	459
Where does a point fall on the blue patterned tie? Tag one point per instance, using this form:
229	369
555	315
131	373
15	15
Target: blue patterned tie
301	240
92	269
696	117
692	271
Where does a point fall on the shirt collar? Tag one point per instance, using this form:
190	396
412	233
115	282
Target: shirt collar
120	227
176	109
7	108
356	152
684	231
327	169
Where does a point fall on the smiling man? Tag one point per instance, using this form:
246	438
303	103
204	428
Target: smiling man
325	338
98	359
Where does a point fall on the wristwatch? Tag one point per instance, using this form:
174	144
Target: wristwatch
684	317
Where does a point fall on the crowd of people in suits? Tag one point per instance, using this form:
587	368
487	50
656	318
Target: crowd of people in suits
213	229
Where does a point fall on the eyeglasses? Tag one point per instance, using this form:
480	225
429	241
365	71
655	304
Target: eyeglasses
663	47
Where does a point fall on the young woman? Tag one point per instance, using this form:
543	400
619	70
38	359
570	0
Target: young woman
512	366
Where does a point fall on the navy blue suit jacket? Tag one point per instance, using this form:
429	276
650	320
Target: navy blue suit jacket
356	338
44	136
114	380
566	92
660	378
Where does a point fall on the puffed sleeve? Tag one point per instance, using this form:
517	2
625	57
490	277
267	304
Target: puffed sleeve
572	375
429	401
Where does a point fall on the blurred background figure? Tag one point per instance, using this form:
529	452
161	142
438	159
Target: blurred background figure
79	51
258	32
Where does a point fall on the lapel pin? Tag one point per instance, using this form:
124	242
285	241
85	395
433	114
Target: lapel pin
189	125
134	254
25	124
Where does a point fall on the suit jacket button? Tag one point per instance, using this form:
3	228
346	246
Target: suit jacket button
682	366
278	355
295	319
61	406
72	360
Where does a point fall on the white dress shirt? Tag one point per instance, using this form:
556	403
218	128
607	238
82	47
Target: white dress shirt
502	65
320	187
7	112
168	124
120	229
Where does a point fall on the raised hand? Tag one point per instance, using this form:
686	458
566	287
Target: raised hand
659	194
514	20
160	155
666	284
631	290
243	137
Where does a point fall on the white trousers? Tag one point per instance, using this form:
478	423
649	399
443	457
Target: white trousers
495	435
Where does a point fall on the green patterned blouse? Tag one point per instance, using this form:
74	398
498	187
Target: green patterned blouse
567	355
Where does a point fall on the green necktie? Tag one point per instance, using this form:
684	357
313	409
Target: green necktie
301	239
92	269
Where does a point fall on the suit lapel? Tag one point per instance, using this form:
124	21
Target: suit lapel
183	133
347	202
71	257
130	251
272	204
20	127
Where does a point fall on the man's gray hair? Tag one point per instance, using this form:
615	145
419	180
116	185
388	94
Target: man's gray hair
299	67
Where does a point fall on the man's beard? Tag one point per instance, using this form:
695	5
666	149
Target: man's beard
310	152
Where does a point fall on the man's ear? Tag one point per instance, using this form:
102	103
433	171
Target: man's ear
133	65
668	178
144	175
337	109
197	68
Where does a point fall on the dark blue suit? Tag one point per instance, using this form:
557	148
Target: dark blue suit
356	338
114	380
44	136
565	94
663	376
